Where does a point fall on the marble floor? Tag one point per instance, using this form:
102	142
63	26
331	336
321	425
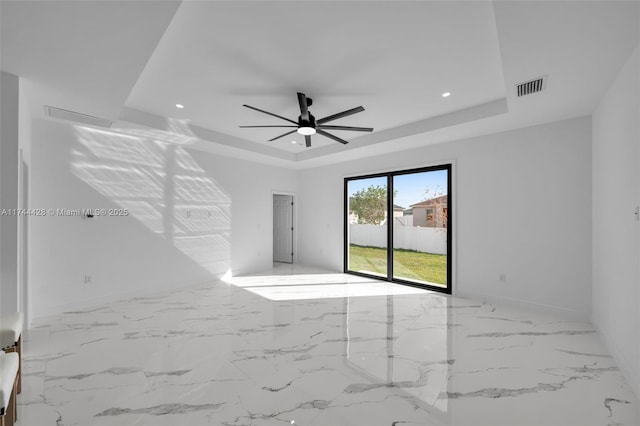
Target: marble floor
302	347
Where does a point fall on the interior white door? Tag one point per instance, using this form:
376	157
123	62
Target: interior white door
283	228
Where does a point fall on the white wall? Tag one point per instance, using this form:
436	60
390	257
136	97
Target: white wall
521	205
616	194
9	146
193	215
24	142
251	186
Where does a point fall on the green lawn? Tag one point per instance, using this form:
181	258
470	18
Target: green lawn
412	265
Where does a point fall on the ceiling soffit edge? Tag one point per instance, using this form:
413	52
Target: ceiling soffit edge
182	127
477	112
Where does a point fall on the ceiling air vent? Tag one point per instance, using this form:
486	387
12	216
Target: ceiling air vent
531	86
64	114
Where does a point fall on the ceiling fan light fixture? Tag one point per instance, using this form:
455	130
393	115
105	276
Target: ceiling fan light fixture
306	124
306	131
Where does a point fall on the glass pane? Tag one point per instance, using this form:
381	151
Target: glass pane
420	215
367	234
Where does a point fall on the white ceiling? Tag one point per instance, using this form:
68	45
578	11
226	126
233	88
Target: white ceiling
136	60
79	55
388	57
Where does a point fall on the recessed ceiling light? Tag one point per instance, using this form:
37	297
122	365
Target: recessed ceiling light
180	106
293	141
446	94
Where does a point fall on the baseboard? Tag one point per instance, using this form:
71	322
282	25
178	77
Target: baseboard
110	298
629	371
526	304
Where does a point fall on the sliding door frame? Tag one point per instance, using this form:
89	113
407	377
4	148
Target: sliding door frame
390	224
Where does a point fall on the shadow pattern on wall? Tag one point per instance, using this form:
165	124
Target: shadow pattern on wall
151	174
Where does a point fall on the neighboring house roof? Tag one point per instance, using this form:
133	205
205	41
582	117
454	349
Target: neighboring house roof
431	202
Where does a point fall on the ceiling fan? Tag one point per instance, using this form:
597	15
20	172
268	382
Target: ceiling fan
307	124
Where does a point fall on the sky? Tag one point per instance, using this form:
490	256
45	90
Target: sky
410	188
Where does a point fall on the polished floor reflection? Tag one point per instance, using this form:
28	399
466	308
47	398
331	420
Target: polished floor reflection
271	350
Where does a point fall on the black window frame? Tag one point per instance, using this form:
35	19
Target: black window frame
390	224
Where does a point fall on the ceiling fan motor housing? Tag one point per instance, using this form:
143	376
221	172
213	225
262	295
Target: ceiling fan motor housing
307	123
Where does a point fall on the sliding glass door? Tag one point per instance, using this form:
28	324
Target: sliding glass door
367	207
398	227
420	233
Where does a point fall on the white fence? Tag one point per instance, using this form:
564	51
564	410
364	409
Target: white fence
425	240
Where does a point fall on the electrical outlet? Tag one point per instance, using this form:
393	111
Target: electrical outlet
88	279
503	278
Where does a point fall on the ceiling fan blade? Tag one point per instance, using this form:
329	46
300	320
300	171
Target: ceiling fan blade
330	136
355	129
307	140
340	115
304	108
270	113
248	127
282	135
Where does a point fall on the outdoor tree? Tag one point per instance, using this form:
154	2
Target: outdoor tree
370	204
430	194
